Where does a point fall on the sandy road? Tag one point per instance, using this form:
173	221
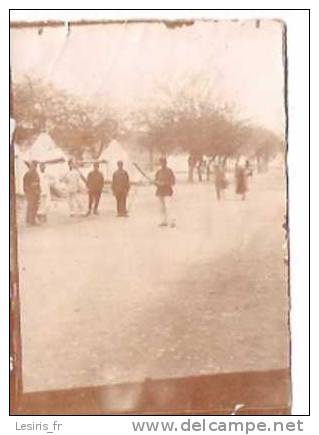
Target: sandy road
107	300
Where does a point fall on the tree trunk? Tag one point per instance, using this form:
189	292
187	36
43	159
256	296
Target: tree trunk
259	165
100	150
224	162
199	172
151	158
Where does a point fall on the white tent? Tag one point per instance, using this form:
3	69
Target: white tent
44	149
178	162
112	154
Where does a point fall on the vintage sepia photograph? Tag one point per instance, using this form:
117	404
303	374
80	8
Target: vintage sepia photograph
149	218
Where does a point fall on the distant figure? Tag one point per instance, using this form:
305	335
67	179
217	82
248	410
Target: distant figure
192	162
249	171
219	180
208	169
73	182
31	188
241	181
165	180
45	194
201	165
95	183
120	189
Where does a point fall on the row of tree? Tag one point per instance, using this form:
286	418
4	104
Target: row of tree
182	120
76	125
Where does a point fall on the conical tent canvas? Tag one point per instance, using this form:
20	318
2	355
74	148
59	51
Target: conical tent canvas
115	152
44	149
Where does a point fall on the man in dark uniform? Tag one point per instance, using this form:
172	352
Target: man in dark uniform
120	188
31	188
165	180
95	183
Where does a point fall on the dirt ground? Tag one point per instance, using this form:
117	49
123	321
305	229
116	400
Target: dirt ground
107	300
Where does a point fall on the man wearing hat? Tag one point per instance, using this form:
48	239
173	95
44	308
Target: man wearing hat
95	183
120	188
164	181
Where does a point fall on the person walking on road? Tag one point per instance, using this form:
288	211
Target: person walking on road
31	188
95	183
120	189
164	181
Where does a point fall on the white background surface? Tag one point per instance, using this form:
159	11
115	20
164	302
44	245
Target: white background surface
297	23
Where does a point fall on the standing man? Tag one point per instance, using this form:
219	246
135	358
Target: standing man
31	188
219	180
200	166
120	188
165	180
45	194
73	182
95	183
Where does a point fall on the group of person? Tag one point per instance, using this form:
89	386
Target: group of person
241	180
37	189
36	185
95	183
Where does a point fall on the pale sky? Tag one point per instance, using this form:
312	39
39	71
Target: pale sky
128	64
